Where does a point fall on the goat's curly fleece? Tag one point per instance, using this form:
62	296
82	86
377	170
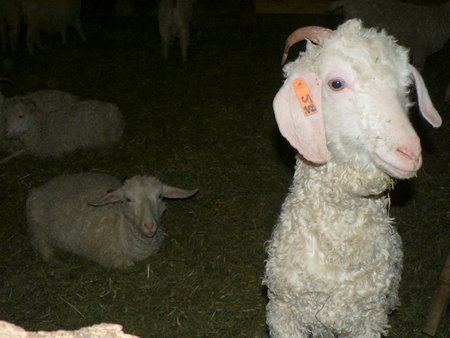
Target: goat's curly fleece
334	258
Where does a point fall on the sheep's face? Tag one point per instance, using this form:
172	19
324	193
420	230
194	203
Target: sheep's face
143	202
20	115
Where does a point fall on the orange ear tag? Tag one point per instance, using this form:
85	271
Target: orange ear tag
304	97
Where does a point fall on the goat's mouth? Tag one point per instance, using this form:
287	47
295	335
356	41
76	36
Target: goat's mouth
407	170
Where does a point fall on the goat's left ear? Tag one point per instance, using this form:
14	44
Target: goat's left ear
298	111
425	105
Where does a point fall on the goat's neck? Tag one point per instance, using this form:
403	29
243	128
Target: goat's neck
341	178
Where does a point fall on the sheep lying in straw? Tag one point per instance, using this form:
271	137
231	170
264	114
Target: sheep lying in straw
50	123
334	259
96	216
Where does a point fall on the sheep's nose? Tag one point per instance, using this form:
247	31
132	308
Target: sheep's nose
150	229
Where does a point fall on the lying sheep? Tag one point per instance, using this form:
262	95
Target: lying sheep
50	16
174	17
334	259
422	28
6	145
96	216
46	100
10	15
51	133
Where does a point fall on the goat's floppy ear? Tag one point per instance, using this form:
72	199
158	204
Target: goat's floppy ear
425	105
299	115
111	196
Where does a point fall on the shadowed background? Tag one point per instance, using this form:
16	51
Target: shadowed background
205	124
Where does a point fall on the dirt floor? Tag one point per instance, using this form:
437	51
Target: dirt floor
206	124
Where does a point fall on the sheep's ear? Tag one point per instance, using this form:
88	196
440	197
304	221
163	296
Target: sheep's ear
112	196
299	115
174	192
425	105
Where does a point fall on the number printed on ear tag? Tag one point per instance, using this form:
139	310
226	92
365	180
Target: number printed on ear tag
304	96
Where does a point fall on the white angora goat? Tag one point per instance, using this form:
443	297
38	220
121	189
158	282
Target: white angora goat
334	259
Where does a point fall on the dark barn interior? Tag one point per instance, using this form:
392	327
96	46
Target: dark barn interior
207	123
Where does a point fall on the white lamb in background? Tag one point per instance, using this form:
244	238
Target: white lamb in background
334	259
423	28
50	16
174	18
96	216
72	125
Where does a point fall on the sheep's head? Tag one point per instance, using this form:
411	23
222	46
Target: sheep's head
346	98
142	198
20	115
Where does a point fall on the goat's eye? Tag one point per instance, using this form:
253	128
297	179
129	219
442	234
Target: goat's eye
336	84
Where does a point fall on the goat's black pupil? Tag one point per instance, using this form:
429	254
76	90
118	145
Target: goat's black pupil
336	84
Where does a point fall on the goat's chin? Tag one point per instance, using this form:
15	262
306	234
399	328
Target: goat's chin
401	170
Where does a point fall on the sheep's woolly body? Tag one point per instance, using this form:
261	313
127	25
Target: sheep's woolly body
333	251
60	217
74	124
424	29
91	124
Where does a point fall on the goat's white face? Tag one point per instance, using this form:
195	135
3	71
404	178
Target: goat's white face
358	80
366	120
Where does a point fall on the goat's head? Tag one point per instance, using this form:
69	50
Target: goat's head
346	98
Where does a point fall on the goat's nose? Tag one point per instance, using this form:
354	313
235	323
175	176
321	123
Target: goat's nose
410	151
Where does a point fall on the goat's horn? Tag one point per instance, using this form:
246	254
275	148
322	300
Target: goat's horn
313	33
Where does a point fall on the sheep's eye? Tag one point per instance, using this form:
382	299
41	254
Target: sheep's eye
20	116
336	84
128	199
